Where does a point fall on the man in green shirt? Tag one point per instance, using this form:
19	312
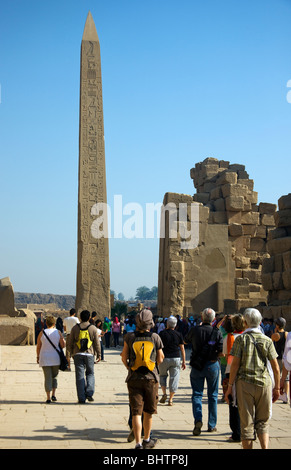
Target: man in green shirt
252	381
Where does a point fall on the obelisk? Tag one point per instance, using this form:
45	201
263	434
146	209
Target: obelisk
93	285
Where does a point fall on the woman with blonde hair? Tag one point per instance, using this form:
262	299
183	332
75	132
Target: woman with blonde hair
48	358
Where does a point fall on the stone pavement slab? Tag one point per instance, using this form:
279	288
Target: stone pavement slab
27	422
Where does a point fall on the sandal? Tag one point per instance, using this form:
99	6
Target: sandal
164	398
170	402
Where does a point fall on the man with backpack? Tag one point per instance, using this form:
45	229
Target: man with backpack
83	344
207	344
141	354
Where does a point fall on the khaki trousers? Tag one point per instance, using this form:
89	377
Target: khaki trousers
254	405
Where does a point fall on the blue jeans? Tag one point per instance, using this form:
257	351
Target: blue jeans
173	366
210	372
84	372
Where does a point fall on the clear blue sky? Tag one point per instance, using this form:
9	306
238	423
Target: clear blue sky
182	81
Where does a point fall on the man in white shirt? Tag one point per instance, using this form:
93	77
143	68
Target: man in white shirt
69	322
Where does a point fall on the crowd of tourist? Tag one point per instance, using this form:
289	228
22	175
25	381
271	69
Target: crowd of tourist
249	356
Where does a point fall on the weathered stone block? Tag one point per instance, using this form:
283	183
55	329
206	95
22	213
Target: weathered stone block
201	197
253	275
233	217
255	287
266	208
252	197
278	261
242	291
247	182
283	218
278	245
219	205
242	282
267	281
216	193
220	217
277	233
257	244
208	187
261	232
6	297
235	230
277	281
247	206
234	203
286	313
227	177
284	202
237	167
268	265
234	190
242	174
250	218
284	295
242	262
250	230
286	277
268	219
286	260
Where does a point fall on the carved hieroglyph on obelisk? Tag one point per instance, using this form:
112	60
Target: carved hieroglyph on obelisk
93	286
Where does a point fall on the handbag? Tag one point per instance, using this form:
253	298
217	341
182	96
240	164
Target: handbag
64	363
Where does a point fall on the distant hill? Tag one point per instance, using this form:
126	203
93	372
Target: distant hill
64	302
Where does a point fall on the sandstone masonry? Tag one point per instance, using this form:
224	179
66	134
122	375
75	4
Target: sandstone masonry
225	270
276	268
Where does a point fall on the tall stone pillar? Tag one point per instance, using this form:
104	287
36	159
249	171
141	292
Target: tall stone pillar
93	285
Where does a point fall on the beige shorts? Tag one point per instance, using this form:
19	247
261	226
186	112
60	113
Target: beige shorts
254	405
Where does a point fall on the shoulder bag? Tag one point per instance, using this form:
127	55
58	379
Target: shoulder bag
64	363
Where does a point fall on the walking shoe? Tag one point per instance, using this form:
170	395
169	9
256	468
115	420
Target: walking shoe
149	444
90	398
197	428
138	447
211	429
54	398
231	439
164	398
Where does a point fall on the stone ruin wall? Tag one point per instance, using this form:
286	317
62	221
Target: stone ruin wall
229	193
276	269
225	270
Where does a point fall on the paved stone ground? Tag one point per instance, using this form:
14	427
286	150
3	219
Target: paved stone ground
26	422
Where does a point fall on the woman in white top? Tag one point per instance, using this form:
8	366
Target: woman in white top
47	356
